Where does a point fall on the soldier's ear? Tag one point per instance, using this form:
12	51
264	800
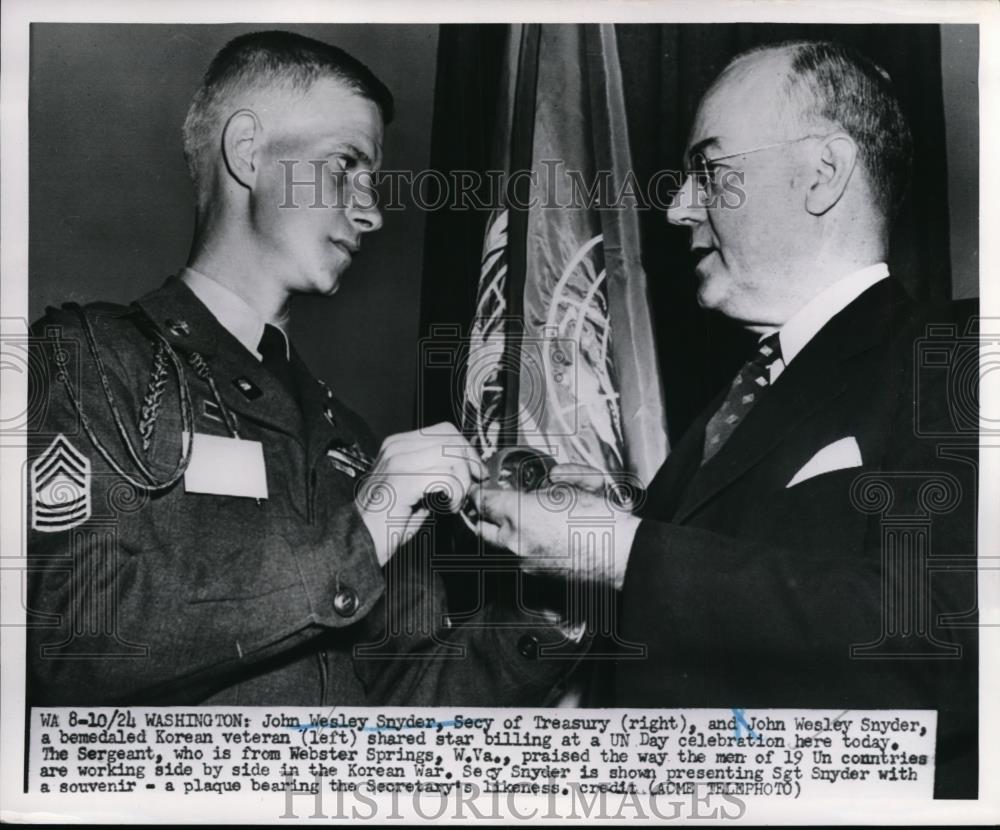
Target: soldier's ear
240	142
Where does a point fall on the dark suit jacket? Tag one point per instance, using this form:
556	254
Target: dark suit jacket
749	593
173	597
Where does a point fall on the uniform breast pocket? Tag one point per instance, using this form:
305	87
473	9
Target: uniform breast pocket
348	459
245	566
341	472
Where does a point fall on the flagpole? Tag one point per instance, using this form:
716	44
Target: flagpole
521	157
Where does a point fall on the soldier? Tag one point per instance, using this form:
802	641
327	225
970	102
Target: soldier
207	524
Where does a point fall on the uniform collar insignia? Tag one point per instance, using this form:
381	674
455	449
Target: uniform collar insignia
248	388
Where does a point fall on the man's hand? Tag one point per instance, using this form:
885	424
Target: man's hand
415	471
559	529
624	489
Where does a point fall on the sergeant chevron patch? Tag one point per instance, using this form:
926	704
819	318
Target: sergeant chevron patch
60	488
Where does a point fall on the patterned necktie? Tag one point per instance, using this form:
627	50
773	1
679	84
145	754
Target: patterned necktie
745	391
273	350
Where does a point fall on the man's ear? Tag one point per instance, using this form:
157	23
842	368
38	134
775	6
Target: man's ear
834	166
241	140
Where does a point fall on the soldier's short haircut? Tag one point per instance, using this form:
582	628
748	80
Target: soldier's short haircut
268	60
834	83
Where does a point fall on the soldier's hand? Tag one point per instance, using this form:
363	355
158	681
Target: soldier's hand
559	530
413	473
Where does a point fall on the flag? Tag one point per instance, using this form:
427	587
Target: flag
561	357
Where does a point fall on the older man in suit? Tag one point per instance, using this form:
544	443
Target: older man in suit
766	566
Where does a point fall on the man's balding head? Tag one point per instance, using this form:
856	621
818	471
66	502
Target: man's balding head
813	143
829	85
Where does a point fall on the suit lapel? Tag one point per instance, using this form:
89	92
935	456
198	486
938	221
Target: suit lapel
244	384
792	399
819	373
666	490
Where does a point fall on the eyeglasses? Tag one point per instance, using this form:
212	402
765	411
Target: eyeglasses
705	171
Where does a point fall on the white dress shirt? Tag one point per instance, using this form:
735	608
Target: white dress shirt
806	323
234	314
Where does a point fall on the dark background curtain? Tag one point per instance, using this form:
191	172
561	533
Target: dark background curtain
667	69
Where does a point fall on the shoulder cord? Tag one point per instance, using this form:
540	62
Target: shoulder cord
153	398
201	370
152	483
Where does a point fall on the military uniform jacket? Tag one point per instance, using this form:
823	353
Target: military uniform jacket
164	596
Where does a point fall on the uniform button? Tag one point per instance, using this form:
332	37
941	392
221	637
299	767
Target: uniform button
178	328
528	647
345	602
328	414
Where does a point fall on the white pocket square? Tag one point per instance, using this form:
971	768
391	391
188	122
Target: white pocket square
840	455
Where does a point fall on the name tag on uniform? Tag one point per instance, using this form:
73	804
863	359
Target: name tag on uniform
226	467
